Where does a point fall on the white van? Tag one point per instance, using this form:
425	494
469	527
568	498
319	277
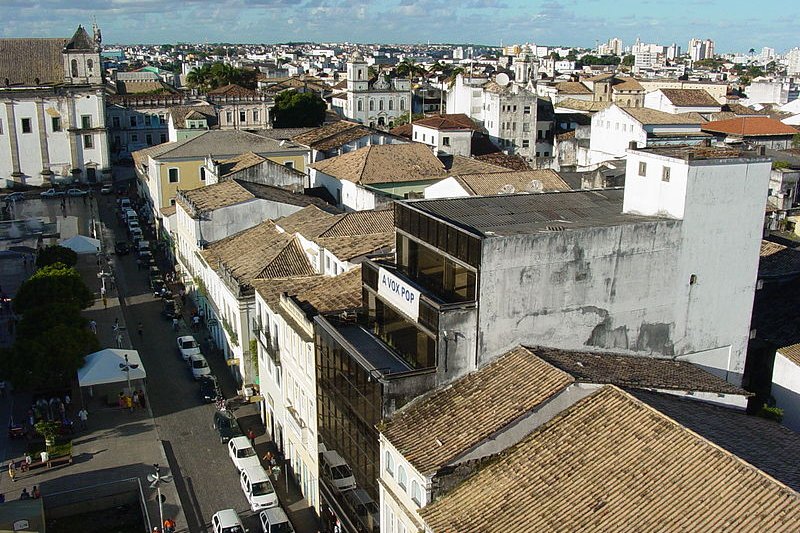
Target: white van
336	470
227	521
142	246
130	214
258	488
275	521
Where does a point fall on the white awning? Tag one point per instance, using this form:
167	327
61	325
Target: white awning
104	367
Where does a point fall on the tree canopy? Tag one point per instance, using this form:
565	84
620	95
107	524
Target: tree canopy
56	254
297	110
214	75
589	59
53	284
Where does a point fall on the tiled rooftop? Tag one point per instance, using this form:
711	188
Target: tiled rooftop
750	126
612	463
792	353
647	116
22	61
690	98
778	260
435	429
315	294
212	197
521	181
387	163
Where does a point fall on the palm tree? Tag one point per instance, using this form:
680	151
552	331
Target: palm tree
453	74
409	67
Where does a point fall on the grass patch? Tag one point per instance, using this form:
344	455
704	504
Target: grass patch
60	449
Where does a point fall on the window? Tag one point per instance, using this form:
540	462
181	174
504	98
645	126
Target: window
26	125
390	464
163	137
172	201
642	168
372	105
202	173
665	174
416	135
445	141
526	110
423	137
380	105
1	127
135	138
255	115
149	139
147	120
88	141
391	105
289	164
416	492
90	66
56	123
174	175
402	104
526	143
115	122
526	127
242	116
360	105
133	121
74	68
402	479
229	117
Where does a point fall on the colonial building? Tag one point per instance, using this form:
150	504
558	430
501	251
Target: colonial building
376	102
52	111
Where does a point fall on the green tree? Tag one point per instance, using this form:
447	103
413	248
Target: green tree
556	56
56	254
403	119
53	284
629	60
409	68
211	76
295	110
796	140
45	317
49	360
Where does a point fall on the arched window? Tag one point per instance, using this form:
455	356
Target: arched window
360	73
372	105
360	105
416	492
74	68
402	479
380	105
391	105
390	464
402	104
90	65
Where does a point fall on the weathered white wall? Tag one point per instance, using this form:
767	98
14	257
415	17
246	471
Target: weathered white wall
612	132
447	188
657	100
395	500
786	390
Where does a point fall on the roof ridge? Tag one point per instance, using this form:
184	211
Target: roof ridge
367	153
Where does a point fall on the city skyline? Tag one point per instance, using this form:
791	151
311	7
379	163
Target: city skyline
492	22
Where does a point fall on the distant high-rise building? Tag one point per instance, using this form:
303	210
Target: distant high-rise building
458	52
615	45
701	49
793	61
767	54
673	51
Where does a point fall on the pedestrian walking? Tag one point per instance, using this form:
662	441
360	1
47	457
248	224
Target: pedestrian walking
24	495
36	493
142	400
175	324
83	416
12	471
140	328
119	340
26	463
195	322
129	403
252	436
105	302
116	324
93	326
135	399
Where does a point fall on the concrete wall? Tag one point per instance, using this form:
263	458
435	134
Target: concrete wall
458	337
447	188
657	100
612	132
786	390
271	173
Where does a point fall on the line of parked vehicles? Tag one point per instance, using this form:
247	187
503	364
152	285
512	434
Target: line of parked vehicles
338	475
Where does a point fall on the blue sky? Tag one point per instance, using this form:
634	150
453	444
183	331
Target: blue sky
735	25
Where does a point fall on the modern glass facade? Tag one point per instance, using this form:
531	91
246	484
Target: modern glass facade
415	345
349	404
448	279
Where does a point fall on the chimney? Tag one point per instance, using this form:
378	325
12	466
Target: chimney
632	145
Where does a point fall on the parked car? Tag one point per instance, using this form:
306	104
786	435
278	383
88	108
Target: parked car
122	248
258	488
136	234
226	521
77	192
107	189
275	521
336	470
160	289
51	193
365	509
133	223
125	203
208	388
15	197
198	365
168	310
226	426
242	453
187	347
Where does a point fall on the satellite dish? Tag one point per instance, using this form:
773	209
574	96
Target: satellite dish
502	79
534	186
507	189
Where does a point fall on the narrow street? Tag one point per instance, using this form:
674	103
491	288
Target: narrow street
205	478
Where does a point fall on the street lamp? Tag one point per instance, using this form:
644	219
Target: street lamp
127	369
155	480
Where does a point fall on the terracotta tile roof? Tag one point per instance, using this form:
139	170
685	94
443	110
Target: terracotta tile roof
612	463
340	139
635	371
24	60
759	441
180	112
282	134
168	211
750	126
325	133
778	260
740	110
129	87
459	164
259	252
81	41
221	143
238	163
647	116
310	222
387	163
581	105
510	162
627	84
497	182
572	87
361	223
315	294
435	429
404	130
140	157
690	97
792	353
351	247
232	90
457	121
210	197
601	77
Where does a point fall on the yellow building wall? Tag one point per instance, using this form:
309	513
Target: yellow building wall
188	178
298	160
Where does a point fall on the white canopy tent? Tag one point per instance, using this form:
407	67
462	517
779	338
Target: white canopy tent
81	244
104	367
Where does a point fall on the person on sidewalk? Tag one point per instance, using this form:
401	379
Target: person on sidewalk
93	326
175	324
36	493
140	327
252	436
24	495
83	416
142	400
26	463
12	471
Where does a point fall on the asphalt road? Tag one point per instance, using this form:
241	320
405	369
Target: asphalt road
205	477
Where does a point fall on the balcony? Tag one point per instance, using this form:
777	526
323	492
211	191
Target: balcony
270	345
297	426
